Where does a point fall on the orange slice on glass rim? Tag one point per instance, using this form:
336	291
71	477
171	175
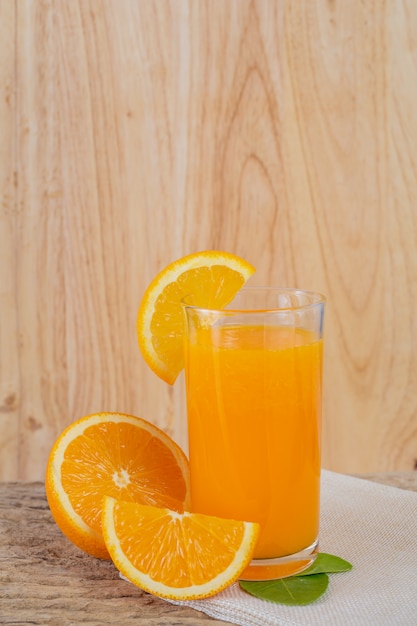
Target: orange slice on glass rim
208	279
179	556
111	454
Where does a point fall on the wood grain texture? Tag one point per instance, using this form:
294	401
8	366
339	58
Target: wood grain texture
137	132
9	339
44	579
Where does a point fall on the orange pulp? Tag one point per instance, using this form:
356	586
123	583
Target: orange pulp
254	406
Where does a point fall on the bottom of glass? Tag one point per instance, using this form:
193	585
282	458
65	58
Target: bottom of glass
281	567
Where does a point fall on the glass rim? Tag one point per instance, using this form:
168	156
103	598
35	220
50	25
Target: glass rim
317	300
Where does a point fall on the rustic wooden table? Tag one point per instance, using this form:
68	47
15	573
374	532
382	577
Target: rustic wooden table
44	579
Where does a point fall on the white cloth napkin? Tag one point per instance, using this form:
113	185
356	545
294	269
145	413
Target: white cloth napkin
372	526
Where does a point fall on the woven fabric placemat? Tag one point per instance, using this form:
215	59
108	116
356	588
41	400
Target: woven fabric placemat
372	526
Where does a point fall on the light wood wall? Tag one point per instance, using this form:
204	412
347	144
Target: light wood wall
135	131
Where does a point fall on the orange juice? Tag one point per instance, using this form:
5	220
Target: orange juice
253	397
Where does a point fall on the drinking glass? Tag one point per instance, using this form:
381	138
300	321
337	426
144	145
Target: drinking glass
253	375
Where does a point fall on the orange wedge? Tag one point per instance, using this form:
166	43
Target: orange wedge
208	279
180	556
111	454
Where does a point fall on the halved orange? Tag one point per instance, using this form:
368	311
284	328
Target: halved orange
181	556
111	454
209	279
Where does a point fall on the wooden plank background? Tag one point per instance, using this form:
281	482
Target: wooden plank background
133	132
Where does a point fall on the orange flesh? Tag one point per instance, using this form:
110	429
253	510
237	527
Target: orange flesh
124	462
254	430
194	548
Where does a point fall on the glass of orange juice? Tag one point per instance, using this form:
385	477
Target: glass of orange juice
253	375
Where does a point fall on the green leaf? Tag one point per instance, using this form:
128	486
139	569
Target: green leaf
302	588
327	564
295	590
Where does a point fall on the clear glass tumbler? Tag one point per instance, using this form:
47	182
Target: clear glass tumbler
253	375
